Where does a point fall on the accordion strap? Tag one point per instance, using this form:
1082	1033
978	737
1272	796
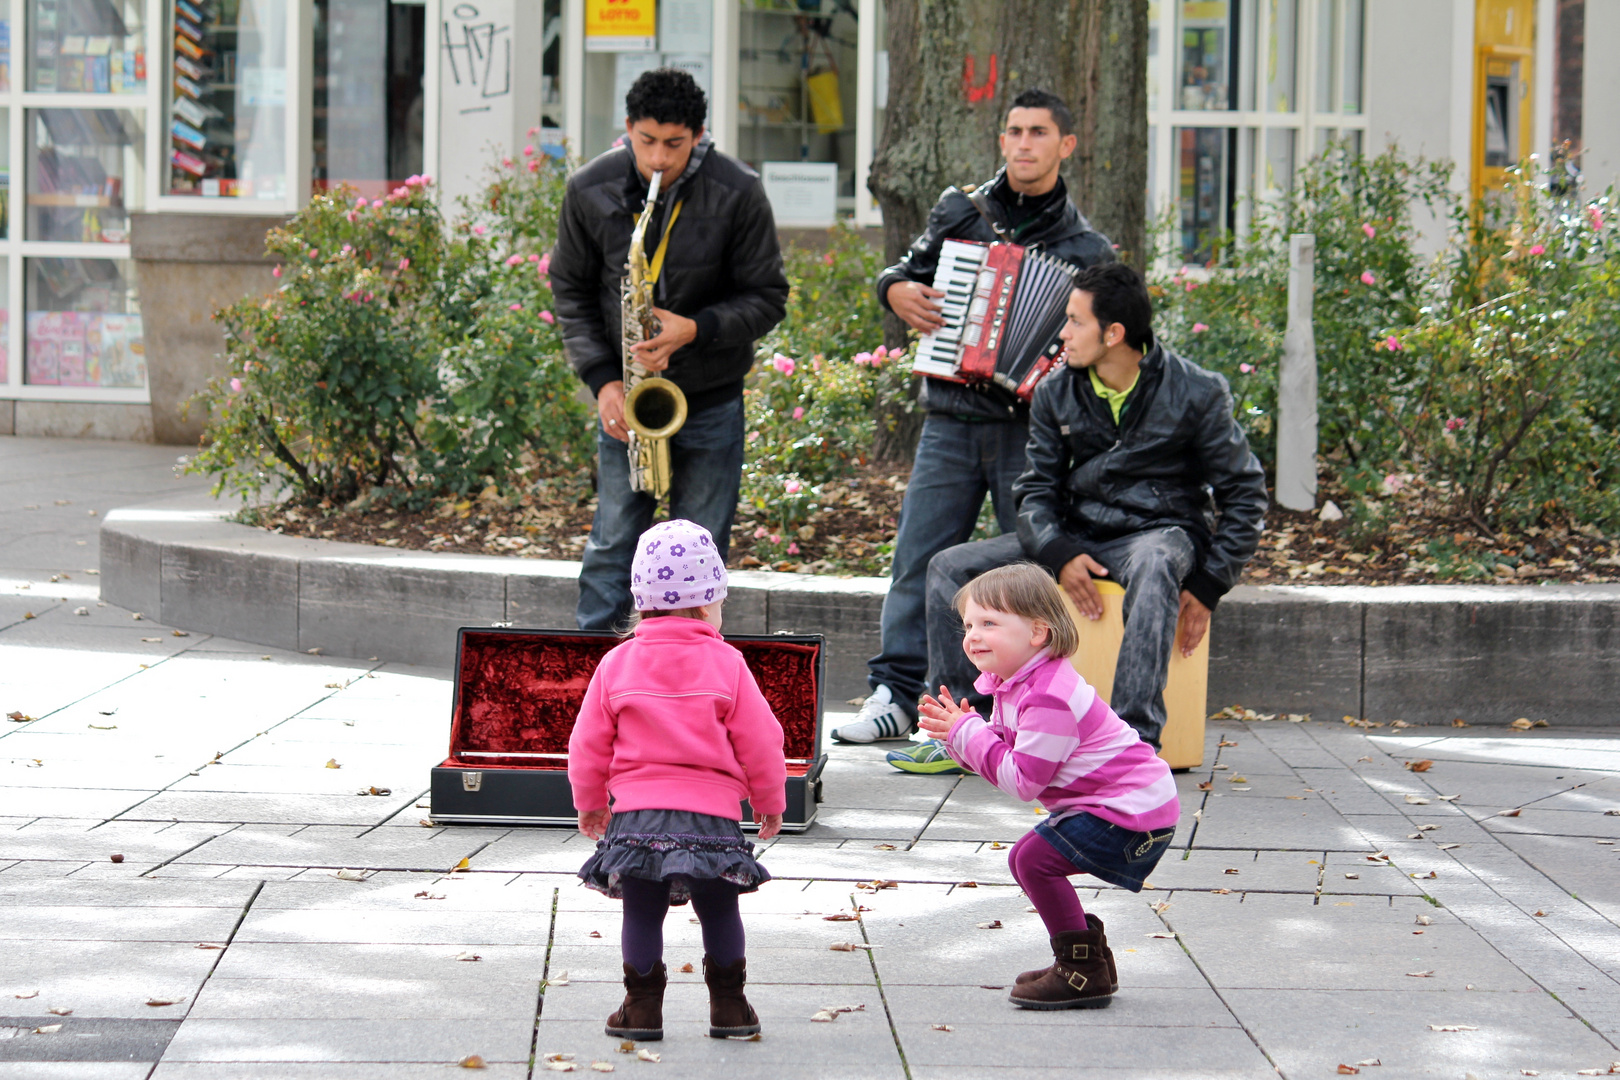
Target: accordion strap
980	198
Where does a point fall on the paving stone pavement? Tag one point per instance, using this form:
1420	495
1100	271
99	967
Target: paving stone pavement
1322	905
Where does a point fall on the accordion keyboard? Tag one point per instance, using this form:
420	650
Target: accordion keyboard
956	276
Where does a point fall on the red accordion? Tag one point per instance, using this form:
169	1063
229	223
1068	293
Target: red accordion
1003	308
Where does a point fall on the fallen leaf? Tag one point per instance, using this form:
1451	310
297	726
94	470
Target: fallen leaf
472	1061
1509	813
842	916
601	1066
1230	870
830	1013
1237	779
60	1011
848	946
1417	800
1370	1061
1458	721
1161	934
1353	877
18	717
426	824
627	1047
594	933
25	997
1452	1027
180	633
50	1029
1348	1070
883	847
561	1066
1448	798
993	924
1448	847
1420	974
115	857
81	611
332	763
647	1055
1420	766
1206	786
686	969
1161	907
1226	742
1425	920
158	1003
996	845
1540	914
1528	1072
942	1027
468	956
462	865
208	945
1221	892
347	874
967	885
104	727
150	640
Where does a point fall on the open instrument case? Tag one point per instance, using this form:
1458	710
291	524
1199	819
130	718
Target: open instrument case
518	692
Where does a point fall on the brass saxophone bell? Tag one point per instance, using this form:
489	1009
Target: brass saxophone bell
655	408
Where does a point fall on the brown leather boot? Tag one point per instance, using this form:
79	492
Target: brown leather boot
642	1014
1092	923
729	1011
1078	980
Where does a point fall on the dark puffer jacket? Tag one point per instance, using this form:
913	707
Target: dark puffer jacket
1059	230
1176	457
723	268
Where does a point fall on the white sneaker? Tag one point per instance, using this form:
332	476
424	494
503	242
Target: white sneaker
880	719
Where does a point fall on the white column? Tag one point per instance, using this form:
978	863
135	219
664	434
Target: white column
1463	55
866	112
723	89
573	76
1546	45
1296	382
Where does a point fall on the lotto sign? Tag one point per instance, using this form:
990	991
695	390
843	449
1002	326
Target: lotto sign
621	25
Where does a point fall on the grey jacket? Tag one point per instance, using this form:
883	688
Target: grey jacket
1060	230
1176	458
723	268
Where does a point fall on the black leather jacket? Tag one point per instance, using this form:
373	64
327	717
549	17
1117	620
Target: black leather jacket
1059	230
723	268
1176	458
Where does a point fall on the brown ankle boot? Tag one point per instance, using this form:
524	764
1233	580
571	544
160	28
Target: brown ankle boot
729	1011
1078	979
1092	923
642	1014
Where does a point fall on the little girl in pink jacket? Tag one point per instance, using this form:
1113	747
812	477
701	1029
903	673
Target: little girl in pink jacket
674	733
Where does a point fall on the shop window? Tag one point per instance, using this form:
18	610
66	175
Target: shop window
1153	56
552	120
368	95
227	120
5	179
1205	190
1208	48
84	174
1279	162
1353	30
1280	51
5	322
683	37
5	60
83	324
88	46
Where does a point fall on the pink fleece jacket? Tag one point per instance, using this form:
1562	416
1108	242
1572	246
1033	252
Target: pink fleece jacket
673	720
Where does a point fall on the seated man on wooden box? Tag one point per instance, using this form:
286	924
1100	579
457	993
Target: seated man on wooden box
1137	472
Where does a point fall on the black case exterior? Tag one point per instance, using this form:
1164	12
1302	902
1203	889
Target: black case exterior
501	795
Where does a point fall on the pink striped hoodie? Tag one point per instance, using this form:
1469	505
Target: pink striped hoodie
1051	738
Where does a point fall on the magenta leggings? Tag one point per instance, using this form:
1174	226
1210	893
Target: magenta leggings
1044	876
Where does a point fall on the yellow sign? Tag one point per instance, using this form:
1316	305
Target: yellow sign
621	25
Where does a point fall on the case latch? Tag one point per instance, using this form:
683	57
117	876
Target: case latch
472	781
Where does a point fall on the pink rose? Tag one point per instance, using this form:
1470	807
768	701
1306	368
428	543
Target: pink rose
1538	249
776	538
753	436
400	193
793	548
759	533
798	412
236	386
792	487
413	180
827	259
1367	278
506	163
548	318
1246	368
1191	285
545	264
1199	328
347	248
783	364
313	252
1455	423
1393	344
1370	231
1596	214
479	230
864	358
360	203
534	131
404	264
276	272
1393	483
534	166
426	179
882	352
513	260
514	307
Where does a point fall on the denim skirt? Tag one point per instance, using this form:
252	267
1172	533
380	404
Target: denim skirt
677	846
1106	851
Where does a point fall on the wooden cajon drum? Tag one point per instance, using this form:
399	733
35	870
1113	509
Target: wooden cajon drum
1182	741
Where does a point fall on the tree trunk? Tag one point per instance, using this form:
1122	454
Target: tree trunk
954	68
956	65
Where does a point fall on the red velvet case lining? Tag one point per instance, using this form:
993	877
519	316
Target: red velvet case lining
522	691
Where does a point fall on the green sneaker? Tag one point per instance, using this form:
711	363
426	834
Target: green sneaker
929	759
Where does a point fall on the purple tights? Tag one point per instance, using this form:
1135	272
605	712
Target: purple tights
647	902
1044	876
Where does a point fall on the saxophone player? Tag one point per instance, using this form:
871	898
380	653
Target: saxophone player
718	286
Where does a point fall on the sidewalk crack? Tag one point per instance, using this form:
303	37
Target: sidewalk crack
877	979
545	976
934	813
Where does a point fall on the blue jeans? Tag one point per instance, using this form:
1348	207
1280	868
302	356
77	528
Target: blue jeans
706	472
956	464
1117	855
1150	565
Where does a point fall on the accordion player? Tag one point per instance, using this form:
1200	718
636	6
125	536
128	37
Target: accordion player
1003	308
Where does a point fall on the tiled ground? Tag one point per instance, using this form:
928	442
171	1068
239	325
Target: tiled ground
1306	921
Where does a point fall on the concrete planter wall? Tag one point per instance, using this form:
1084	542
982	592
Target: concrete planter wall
1423	654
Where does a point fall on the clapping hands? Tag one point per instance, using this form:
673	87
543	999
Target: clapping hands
939	715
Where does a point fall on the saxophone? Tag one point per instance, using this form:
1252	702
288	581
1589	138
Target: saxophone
654	407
